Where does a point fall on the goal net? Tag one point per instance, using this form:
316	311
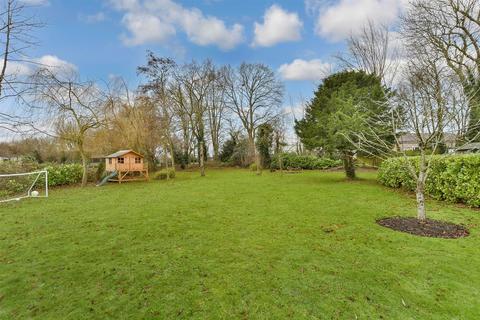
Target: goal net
16	186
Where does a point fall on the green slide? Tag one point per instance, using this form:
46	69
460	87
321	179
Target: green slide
108	177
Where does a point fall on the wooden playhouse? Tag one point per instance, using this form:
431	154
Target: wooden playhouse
128	166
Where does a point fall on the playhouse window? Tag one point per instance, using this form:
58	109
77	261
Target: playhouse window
121	160
138	160
110	161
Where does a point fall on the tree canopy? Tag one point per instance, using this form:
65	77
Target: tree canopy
345	100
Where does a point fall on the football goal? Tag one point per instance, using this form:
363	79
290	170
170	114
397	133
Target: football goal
17	186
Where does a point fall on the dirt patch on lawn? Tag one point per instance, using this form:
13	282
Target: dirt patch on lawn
428	228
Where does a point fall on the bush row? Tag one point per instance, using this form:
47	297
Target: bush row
293	160
64	174
451	178
163	174
58	174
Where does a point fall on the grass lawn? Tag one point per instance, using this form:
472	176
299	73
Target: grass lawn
233	246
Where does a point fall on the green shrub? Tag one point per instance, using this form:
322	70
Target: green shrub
12	186
253	167
64	174
99	171
163	174
21	166
292	160
451	178
58	175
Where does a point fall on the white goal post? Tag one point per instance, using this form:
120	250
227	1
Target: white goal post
31	181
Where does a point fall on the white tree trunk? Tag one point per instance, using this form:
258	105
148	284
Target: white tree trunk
166	162
420	191
421	215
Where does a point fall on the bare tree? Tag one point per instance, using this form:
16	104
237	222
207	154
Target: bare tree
254	94
373	51
216	108
16	28
159	72
192	84
451	28
183	116
75	108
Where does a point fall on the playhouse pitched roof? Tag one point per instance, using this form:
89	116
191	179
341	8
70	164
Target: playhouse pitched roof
122	153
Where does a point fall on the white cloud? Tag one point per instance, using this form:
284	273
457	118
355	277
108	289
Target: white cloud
278	26
295	110
55	63
146	28
51	62
337	21
155	21
299	70
93	18
15	68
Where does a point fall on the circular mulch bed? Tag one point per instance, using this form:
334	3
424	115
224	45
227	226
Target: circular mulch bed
427	228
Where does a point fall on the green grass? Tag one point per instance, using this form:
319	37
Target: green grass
233	246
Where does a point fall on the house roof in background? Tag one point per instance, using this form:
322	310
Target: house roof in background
412	137
470	146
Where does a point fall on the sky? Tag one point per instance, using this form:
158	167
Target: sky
298	39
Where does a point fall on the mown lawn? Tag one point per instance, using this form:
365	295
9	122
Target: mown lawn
233	246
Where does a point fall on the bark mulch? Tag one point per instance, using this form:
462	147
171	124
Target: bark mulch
428	228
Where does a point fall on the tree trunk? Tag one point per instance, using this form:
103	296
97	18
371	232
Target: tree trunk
474	117
251	148
421	215
85	168
420	191
202	159
349	164
172	155
216	150
166	162
258	163
280	162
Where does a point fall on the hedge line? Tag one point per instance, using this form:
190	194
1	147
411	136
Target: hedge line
293	160
451	178
58	174
64	174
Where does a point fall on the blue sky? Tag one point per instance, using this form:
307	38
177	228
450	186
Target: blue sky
104	38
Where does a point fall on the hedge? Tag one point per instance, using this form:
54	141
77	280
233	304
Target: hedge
293	160
451	178
58	175
163	174
64	174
